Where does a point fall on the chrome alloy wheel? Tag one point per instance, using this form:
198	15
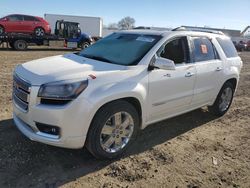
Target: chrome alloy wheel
225	99
117	132
39	32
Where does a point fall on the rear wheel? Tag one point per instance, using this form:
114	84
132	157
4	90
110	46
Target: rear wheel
39	32
1	30
20	45
112	130
223	100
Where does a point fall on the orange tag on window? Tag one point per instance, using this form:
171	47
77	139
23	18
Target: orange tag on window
203	49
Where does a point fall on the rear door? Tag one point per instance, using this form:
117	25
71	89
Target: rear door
171	91
209	68
15	23
30	23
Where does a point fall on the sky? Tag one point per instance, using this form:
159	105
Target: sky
230	14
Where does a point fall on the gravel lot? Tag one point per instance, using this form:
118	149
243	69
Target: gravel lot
192	150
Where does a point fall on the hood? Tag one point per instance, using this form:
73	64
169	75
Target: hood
63	67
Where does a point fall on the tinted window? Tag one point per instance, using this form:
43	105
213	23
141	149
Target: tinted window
29	18
15	18
203	49
121	48
228	47
176	50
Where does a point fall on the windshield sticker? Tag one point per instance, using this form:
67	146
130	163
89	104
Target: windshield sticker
145	39
203	49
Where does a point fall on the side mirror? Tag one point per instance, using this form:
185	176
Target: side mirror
165	64
5	19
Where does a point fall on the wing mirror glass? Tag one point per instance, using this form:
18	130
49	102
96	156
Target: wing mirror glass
165	64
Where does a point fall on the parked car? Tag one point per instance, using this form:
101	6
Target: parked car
248	45
240	46
102	96
17	23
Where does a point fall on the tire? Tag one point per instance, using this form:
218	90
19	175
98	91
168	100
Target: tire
85	45
20	45
218	108
39	32
112	143
1	30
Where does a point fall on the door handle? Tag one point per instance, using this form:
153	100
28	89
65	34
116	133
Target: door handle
189	74
218	69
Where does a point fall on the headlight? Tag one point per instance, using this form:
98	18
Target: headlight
62	90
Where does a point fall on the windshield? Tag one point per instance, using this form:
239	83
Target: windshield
121	48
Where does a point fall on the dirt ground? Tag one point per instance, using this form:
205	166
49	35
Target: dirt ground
192	150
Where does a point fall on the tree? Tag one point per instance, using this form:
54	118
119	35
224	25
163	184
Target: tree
113	26
126	23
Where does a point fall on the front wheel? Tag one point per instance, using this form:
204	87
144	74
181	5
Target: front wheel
85	45
223	100
112	130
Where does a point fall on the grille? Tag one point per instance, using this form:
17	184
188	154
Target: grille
21	92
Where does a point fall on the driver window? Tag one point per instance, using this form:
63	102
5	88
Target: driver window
176	50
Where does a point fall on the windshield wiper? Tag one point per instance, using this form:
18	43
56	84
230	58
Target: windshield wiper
97	58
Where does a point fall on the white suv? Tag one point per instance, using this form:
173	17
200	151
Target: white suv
101	96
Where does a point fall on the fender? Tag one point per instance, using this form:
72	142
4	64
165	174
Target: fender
229	73
115	91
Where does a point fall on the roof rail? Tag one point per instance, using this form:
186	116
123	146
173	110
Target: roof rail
198	30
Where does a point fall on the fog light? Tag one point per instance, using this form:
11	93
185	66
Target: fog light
48	129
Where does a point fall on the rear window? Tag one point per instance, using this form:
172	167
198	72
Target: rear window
30	18
228	47
203	49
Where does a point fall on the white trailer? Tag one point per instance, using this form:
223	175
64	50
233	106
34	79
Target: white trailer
88	25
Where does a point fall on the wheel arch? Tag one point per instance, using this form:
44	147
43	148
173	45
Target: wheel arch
39	26
233	81
134	101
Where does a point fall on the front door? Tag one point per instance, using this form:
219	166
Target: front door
15	23
171	91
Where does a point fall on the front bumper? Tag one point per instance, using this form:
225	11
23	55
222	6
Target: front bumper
73	119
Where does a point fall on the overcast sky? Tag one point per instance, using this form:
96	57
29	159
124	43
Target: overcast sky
233	14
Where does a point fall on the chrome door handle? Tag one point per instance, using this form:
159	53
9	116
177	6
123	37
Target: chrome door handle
189	74
218	68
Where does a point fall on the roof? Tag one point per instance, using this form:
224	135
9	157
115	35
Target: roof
167	32
145	32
